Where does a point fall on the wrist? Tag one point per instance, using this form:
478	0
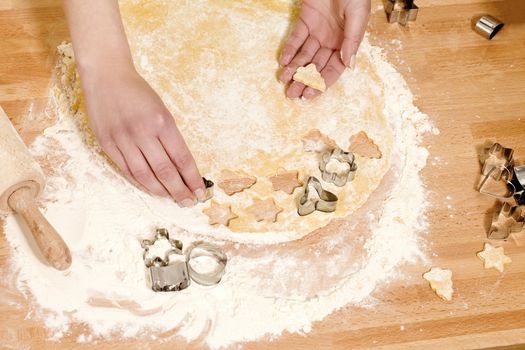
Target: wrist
104	65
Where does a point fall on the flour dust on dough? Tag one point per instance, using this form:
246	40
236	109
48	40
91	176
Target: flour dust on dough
214	64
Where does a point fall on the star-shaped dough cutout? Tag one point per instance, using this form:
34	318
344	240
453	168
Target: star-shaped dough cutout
440	282
265	210
311	77
494	257
218	214
286	181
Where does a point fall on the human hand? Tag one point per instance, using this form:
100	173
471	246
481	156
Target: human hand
328	34
138	133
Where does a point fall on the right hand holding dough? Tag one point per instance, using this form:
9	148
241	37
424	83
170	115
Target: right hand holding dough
139	134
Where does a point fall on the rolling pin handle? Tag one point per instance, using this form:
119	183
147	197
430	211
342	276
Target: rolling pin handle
51	245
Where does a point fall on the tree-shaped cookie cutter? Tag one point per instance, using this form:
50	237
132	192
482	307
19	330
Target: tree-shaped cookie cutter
400	11
498	165
338	178
167	275
322	200
509	219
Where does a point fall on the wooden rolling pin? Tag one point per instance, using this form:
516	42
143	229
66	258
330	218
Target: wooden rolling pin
21	182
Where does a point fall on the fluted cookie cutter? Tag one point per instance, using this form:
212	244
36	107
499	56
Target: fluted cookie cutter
175	270
508	219
400	11
320	200
338	178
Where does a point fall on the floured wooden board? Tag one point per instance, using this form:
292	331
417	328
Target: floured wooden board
486	309
218	80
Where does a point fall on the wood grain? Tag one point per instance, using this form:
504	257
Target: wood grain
473	90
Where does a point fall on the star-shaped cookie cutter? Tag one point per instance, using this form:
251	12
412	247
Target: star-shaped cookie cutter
338	178
508	219
325	201
400	11
169	276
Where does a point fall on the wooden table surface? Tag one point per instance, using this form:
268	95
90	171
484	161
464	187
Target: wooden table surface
472	89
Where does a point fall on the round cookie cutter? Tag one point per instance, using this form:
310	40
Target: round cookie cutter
166	275
206	250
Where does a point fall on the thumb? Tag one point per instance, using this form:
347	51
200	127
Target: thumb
356	20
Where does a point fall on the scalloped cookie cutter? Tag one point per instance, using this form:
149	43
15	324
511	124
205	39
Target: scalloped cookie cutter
338	178
174	271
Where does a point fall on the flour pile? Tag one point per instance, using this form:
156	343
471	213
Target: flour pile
273	282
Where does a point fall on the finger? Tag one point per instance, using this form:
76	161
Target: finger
295	90
294	43
355	25
166	172
303	57
333	69
177	150
116	156
320	60
140	169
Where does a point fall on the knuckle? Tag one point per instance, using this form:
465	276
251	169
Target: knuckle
142	175
184	160
160	120
164	171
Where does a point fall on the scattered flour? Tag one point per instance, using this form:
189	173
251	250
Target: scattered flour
270	285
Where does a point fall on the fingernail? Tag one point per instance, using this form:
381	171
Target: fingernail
187	203
199	193
352	62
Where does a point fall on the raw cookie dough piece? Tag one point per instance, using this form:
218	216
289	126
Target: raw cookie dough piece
494	257
316	141
309	76
265	210
363	146
219	215
441	282
286	181
235	181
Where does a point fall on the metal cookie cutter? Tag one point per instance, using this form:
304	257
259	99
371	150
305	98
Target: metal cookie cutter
498	165
339	178
323	200
208	184
166	275
488	26
206	251
518	181
400	11
509	219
